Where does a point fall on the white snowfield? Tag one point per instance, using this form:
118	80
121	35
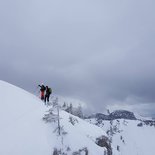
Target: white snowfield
23	132
129	138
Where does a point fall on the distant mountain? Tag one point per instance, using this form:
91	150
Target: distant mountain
118	114
98	116
122	114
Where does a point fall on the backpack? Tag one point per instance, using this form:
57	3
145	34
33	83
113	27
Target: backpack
50	90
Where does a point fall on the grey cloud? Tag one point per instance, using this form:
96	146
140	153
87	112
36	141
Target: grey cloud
101	52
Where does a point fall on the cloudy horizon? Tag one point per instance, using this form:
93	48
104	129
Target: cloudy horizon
99	52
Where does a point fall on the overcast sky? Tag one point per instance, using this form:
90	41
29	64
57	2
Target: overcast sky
101	52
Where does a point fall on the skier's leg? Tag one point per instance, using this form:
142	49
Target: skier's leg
42	95
48	98
45	99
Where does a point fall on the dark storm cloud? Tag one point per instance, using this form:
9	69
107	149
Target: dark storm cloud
101	52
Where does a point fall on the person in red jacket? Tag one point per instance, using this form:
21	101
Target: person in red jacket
42	91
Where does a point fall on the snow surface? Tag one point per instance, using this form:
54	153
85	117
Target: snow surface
131	139
23	131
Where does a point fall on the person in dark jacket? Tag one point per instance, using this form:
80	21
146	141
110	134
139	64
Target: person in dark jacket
42	91
47	95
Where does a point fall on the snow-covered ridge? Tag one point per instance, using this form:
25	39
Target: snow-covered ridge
23	131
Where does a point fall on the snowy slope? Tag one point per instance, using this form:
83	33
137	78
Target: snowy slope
23	131
79	135
128	137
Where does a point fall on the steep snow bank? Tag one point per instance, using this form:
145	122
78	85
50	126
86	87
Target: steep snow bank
79	134
22	132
